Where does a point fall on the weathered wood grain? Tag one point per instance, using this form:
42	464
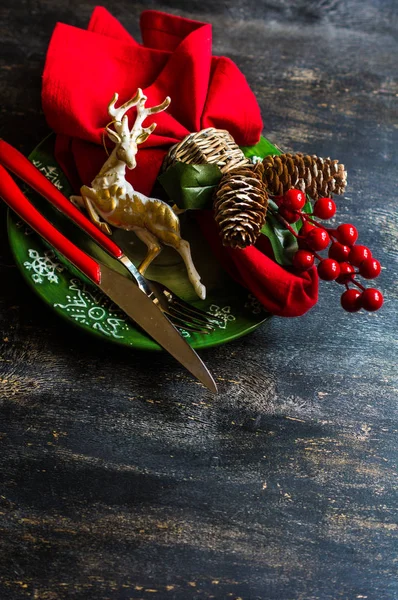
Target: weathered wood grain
120	476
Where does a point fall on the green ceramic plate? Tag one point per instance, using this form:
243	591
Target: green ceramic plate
67	292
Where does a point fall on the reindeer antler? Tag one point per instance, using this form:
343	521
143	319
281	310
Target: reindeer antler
118	113
138	132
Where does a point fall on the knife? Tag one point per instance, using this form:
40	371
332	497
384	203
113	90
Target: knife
122	291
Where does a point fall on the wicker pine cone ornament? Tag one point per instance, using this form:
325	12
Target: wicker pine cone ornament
311	174
208	146
240	205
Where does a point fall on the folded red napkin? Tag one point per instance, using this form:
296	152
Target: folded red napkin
85	68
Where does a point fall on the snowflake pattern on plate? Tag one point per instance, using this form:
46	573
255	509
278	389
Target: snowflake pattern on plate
44	266
223	317
184	332
222	313
26	229
50	171
53	174
254	305
91	308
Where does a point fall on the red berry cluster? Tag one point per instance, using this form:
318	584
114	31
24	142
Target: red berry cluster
344	255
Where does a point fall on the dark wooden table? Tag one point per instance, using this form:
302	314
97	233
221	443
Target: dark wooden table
120	476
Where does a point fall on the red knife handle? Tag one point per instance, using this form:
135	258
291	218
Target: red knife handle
20	204
16	162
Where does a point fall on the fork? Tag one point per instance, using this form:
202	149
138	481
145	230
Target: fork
182	314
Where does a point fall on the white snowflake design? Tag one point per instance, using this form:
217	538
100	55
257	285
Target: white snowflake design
254	305
222	313
44	266
50	171
90	308
184	333
22	225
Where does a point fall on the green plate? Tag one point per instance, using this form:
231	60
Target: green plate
73	297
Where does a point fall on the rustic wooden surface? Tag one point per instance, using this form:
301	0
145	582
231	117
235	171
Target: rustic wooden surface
123	478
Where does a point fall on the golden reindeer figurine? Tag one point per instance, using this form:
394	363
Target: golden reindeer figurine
115	200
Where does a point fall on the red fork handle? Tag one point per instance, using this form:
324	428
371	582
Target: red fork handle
16	162
20	204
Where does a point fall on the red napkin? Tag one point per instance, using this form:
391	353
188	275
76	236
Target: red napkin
85	68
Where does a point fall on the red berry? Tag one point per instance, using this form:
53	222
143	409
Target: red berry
328	269
347	272
359	254
278	200
317	239
306	228
339	251
289	215
303	259
371	299
370	268
351	300
347	234
324	208
294	200
302	243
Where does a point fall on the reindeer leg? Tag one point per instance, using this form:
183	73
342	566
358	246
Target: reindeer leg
77	201
184	249
173	239
92	213
178	211
88	195
154	248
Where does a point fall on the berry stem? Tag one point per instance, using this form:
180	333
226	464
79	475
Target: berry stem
355	282
330	230
284	222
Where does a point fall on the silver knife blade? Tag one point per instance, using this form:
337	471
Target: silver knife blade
145	313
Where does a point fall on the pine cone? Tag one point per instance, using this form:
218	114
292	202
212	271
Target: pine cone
208	146
240	205
311	174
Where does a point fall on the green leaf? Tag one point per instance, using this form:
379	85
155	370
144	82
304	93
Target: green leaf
283	242
261	149
191	186
307	208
